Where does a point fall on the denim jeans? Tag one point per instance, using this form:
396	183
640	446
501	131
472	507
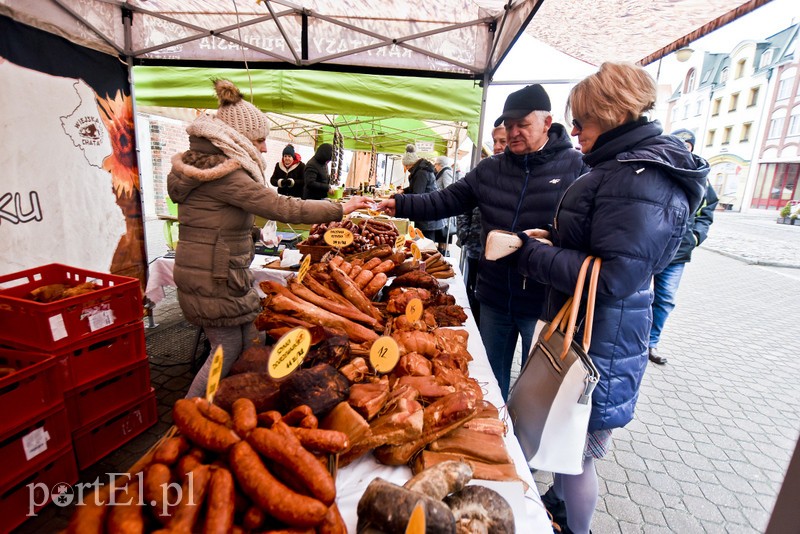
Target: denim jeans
665	286
234	340
499	332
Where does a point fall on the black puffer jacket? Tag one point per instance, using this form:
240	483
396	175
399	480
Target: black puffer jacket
630	210
697	227
422	179
289	181
317	178
513	193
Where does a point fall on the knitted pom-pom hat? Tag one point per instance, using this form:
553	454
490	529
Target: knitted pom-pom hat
241	115
411	156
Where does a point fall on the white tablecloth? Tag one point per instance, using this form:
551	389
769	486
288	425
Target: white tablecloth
529	512
161	276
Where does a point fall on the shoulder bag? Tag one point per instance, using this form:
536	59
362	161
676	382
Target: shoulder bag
550	402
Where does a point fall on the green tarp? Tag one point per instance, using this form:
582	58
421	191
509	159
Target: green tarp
354	97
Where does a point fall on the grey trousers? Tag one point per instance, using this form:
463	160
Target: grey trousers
233	340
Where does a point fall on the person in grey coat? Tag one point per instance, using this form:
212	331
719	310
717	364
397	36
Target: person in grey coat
445	176
219	186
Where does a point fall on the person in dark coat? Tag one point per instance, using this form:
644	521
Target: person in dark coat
631	211
317	179
421	179
516	190
288	174
665	283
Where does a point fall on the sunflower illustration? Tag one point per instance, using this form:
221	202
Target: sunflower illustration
117	115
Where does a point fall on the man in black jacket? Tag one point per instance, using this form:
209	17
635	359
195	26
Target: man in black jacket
516	190
317	178
665	283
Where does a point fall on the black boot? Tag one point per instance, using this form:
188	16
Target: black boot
556	507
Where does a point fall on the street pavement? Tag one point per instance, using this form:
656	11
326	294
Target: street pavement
714	428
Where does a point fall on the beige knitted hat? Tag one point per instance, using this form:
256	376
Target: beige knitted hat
243	116
411	156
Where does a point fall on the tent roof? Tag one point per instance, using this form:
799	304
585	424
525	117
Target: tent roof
381	110
465	38
631	30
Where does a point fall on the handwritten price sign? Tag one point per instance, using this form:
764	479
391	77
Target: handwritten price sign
384	354
214	374
289	352
338	237
414	310
305	265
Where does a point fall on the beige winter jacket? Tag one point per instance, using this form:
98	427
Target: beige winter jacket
217	201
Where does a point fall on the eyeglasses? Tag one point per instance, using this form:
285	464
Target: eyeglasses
577	125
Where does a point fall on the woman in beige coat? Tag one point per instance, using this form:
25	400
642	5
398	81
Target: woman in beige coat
219	186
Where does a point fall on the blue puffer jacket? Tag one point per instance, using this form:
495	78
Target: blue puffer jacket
630	210
513	193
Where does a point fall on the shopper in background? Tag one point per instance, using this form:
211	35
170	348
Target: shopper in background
421	179
288	174
630	210
219	186
469	236
317	178
442	166
515	190
665	283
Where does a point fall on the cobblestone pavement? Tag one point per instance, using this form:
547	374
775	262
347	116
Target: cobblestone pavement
714	428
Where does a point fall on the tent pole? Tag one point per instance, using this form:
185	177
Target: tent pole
476	150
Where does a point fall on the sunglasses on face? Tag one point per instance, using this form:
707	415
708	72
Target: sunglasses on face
577	125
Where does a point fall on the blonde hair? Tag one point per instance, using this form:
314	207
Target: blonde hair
616	94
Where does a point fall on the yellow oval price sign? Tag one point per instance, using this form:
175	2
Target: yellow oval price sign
400	242
338	237
414	310
214	374
384	354
305	265
415	252
419	233
289	352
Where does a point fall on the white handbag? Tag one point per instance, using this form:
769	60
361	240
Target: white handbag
551	401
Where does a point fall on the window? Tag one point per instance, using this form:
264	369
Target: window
766	58
723	76
785	88
690	78
674	113
746	128
734	102
726	135
715	107
686	110
710	137
699	108
740	68
752	98
775	127
794	124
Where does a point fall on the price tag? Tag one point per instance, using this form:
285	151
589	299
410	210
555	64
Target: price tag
35	442
414	310
415	252
419	233
416	523
338	237
373	213
305	265
384	354
214	374
57	327
289	352
400	242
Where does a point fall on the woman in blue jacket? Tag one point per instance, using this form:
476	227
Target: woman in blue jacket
630	210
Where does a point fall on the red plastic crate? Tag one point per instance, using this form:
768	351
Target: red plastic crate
23	497
100	438
97	356
53	325
31	443
106	394
35	387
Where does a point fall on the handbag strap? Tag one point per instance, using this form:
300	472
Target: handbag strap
569	334
591	298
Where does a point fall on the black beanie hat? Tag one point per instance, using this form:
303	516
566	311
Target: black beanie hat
288	151
523	102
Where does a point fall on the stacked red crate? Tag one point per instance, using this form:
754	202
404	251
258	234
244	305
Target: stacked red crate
97	341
